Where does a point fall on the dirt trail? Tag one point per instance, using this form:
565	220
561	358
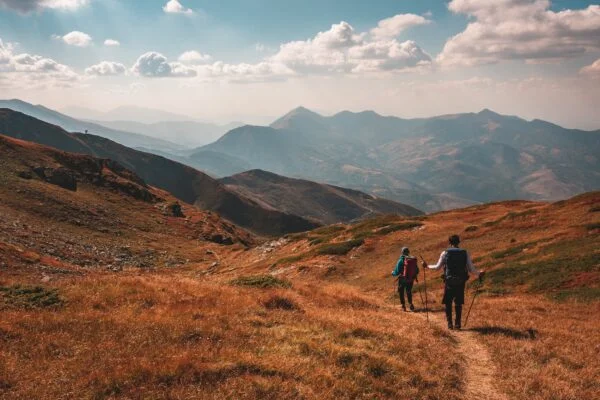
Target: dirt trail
480	369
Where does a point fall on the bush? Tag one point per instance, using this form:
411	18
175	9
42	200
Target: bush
341	248
261	281
31	297
281	303
592	226
471	228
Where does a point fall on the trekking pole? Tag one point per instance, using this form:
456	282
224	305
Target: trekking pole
473	301
425	284
471	306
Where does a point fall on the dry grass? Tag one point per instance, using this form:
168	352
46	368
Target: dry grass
172	324
159	336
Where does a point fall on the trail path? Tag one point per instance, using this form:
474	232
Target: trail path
480	369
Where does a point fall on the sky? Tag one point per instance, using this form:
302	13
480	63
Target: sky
254	60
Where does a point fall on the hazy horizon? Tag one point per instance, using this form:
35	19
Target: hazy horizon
253	62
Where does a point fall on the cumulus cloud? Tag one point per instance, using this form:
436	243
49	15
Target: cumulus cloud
175	7
112	43
341	49
592	70
75	38
155	65
194	57
29	70
26	6
106	68
520	30
392	27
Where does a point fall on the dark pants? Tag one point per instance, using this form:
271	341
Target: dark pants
405	286
454	294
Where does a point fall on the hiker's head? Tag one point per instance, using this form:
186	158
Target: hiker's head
454	240
405	251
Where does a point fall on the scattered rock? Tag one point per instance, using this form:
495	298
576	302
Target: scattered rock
60	177
175	210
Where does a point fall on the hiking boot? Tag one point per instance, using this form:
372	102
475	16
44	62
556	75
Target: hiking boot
450	326
412	308
403	307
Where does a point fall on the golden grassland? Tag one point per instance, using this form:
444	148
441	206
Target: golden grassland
313	315
163	336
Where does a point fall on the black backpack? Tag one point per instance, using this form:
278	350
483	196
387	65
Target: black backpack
456	267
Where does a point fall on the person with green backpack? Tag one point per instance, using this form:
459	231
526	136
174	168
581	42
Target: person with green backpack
406	270
457	264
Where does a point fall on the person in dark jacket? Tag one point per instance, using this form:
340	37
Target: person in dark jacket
406	270
457	264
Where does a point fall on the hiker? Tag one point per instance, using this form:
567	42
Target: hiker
457	265
406	270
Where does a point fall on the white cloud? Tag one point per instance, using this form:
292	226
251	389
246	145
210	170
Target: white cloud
194	57
392	27
112	43
30	70
76	38
592	70
155	65
26	6
243	73
175	7
520	30
341	49
388	56
106	68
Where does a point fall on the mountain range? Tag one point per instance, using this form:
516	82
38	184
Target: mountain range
194	187
70	124
188	134
431	163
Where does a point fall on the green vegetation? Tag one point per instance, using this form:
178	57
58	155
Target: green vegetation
510	216
548	275
328	230
291	259
592	226
583	294
281	303
261	281
511	251
386	230
341	248
29	297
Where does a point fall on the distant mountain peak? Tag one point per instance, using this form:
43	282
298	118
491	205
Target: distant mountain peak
486	112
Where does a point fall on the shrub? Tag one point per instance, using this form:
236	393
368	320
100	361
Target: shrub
261	281
341	248
281	303
31	297
471	228
592	226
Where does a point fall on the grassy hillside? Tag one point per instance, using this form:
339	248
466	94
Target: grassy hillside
103	295
185	183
